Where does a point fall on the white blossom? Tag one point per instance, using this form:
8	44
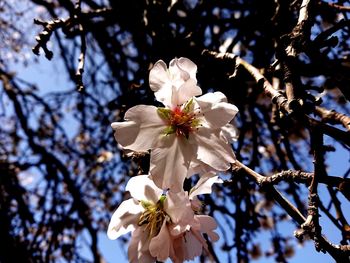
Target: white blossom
163	225
188	132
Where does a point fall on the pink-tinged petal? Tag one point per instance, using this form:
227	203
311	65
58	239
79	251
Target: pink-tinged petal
138	250
220	114
187	65
208	225
142	128
141	187
193	243
217	112
124	219
178	207
179	250
161	83
229	133
177	74
213	150
204	185
159	76
161	245
185	92
170	160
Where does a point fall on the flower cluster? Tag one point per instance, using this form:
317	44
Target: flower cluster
189	135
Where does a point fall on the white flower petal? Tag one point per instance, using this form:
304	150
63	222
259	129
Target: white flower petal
141	187
220	114
185	92
187	65
213	150
159	76
143	127
170	160
165	95
208	99
178	75
204	184
124	219
198	167
174	86
138	250
217	112
161	83
229	133
161	245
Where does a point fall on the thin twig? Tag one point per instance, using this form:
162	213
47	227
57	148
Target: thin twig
44	37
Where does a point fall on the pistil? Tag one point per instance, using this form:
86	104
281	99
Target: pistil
181	120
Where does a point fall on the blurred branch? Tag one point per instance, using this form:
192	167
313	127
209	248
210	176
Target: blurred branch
336	6
80	69
79	204
44	37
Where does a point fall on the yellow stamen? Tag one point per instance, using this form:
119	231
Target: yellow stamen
153	216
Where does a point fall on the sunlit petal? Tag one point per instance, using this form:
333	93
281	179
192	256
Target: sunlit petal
124	219
141	187
216	111
170	161
159	76
142	128
204	184
138	250
212	150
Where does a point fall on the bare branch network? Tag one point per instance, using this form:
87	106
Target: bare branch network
284	64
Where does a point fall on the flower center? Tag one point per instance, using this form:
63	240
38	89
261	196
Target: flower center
181	120
153	216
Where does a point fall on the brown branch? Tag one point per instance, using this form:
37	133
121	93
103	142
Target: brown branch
274	94
292	45
340	253
311	225
335	133
68	26
279	198
279	99
302	29
333	117
323	36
